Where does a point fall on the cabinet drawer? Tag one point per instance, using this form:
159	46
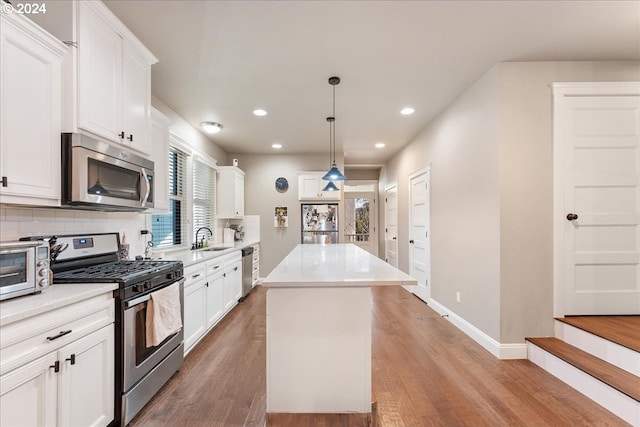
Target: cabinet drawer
31	338
194	273
214	266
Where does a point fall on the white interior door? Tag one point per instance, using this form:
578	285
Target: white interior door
419	256
391	225
360	220
598	142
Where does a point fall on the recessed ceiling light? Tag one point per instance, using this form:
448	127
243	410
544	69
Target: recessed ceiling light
379	145
407	110
211	127
276	146
259	112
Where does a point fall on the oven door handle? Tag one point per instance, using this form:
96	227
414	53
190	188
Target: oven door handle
136	301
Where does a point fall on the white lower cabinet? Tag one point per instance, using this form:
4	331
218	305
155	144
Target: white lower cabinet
255	262
215	292
58	367
232	285
26	394
87	380
212	288
195	304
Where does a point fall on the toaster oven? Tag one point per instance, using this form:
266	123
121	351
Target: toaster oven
24	268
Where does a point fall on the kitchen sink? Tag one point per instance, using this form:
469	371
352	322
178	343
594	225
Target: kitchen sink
214	249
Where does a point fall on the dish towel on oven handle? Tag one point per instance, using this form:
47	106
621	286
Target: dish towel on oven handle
164	314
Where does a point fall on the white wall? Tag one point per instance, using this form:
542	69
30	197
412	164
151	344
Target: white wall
261	198
461	145
526	187
491	195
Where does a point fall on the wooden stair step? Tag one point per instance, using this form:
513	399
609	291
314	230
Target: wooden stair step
622	330
609	374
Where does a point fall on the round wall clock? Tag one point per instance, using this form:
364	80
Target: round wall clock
282	185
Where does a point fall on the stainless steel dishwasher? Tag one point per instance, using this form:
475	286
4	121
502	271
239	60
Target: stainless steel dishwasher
247	270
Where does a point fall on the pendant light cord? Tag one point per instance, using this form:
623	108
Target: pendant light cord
333	125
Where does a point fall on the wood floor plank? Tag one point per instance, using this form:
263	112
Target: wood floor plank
622	330
426	372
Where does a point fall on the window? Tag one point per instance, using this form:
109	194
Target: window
169	229
204	197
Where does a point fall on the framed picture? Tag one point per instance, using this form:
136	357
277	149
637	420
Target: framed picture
281	220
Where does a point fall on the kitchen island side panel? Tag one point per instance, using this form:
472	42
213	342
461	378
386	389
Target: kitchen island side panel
319	350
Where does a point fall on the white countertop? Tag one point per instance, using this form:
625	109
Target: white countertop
189	257
334	265
55	296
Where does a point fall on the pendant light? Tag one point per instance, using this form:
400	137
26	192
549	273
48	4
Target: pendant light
334	173
330	185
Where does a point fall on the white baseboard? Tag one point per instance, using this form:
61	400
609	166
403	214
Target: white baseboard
501	351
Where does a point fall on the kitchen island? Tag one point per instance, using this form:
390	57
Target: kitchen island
319	328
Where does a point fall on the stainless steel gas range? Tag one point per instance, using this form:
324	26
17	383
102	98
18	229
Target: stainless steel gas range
140	370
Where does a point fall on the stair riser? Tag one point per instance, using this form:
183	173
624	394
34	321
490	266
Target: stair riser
618	403
622	357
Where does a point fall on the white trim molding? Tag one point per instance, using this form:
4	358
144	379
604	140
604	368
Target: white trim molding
595	88
501	351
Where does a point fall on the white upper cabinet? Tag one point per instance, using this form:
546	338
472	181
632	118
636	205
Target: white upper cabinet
310	185
106	74
137	99
99	75
30	117
230	192
113	79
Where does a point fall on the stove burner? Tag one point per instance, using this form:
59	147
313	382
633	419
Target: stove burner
118	271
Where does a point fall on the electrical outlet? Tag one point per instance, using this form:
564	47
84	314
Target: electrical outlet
458	296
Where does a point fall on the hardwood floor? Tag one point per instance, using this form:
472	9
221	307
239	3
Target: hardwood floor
425	373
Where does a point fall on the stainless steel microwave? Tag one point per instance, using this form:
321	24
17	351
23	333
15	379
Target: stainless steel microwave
24	268
102	176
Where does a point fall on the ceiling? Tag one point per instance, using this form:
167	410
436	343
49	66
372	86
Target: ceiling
220	60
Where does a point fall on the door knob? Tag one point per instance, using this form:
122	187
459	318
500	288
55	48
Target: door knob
572	217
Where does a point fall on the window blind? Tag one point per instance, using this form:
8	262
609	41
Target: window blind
169	229
204	197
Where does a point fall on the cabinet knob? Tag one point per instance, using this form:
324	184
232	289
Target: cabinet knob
411	241
572	217
207	284
130	138
4	181
56	366
121	135
72	359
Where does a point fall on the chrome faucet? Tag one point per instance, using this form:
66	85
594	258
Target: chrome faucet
200	244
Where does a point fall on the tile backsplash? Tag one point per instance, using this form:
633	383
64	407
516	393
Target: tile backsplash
17	222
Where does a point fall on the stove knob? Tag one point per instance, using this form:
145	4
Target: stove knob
148	285
43	272
138	288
